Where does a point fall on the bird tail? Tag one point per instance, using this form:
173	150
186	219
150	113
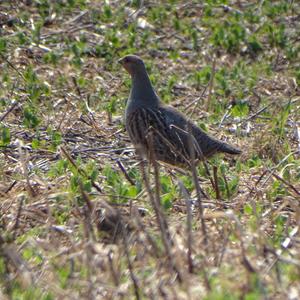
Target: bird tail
229	149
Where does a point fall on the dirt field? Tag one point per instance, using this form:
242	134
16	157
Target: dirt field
81	217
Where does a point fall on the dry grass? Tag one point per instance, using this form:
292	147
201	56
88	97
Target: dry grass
81	216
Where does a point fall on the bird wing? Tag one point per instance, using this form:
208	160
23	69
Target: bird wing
189	134
204	144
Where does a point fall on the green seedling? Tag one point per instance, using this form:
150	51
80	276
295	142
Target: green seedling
5	136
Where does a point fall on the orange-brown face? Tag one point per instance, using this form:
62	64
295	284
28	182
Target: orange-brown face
131	63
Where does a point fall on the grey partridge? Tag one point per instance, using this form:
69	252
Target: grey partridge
173	135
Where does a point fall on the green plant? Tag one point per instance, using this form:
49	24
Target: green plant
31	120
5	136
280	120
120	191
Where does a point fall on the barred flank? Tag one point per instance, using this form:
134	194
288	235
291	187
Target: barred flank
171	139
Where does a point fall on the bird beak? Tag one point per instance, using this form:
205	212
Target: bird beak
120	61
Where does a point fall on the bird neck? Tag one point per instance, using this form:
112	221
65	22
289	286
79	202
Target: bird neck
142	89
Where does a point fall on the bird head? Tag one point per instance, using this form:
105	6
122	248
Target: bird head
132	64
